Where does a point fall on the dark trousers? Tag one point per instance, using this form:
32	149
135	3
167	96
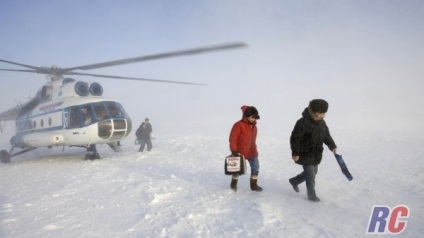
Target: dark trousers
308	175
143	143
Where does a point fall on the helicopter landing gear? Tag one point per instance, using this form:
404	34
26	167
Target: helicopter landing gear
115	146
92	153
4	157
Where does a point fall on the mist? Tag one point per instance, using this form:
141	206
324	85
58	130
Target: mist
364	58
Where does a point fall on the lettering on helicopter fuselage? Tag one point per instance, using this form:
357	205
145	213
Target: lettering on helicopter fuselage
50	106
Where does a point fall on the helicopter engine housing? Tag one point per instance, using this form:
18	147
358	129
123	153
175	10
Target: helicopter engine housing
69	87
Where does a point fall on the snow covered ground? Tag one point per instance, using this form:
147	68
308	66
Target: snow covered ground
180	190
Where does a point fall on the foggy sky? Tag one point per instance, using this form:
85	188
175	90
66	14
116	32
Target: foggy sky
364	57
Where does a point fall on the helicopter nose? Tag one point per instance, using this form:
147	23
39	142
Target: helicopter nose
114	129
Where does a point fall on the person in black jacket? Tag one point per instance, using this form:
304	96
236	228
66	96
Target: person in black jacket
306	142
143	135
149	127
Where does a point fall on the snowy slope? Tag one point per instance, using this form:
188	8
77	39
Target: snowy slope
180	190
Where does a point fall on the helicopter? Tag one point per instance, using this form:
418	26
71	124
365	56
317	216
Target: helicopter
69	112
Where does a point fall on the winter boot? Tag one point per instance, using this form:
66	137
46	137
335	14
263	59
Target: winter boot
233	184
294	185
314	199
254	184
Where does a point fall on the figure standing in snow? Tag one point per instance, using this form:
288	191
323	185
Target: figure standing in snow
243	141
149	126
308	136
143	135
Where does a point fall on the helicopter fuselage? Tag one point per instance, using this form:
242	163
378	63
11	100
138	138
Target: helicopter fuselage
62	123
70	119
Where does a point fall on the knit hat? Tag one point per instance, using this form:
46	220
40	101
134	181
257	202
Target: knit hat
243	108
251	111
318	105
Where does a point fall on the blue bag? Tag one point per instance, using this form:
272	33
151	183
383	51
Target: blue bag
343	166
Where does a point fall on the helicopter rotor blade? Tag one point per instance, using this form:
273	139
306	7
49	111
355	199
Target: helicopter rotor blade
20	70
160	56
23	65
134	78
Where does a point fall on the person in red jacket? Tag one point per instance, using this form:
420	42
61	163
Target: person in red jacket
243	141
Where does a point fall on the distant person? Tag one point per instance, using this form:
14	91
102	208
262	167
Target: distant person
306	141
143	135
115	112
101	114
86	116
149	127
243	141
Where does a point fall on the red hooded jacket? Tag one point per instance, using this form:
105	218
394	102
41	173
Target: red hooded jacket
243	138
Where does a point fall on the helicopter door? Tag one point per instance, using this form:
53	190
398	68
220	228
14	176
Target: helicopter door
71	117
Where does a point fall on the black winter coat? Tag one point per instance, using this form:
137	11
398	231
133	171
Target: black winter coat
143	133
307	139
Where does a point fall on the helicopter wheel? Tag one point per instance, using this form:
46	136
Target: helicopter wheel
4	157
87	157
95	156
92	156
92	153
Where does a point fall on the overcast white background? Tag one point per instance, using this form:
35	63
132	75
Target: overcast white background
364	57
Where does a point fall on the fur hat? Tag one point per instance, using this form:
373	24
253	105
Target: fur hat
251	111
318	105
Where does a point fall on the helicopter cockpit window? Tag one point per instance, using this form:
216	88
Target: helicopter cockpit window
80	116
116	110
100	112
86	115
